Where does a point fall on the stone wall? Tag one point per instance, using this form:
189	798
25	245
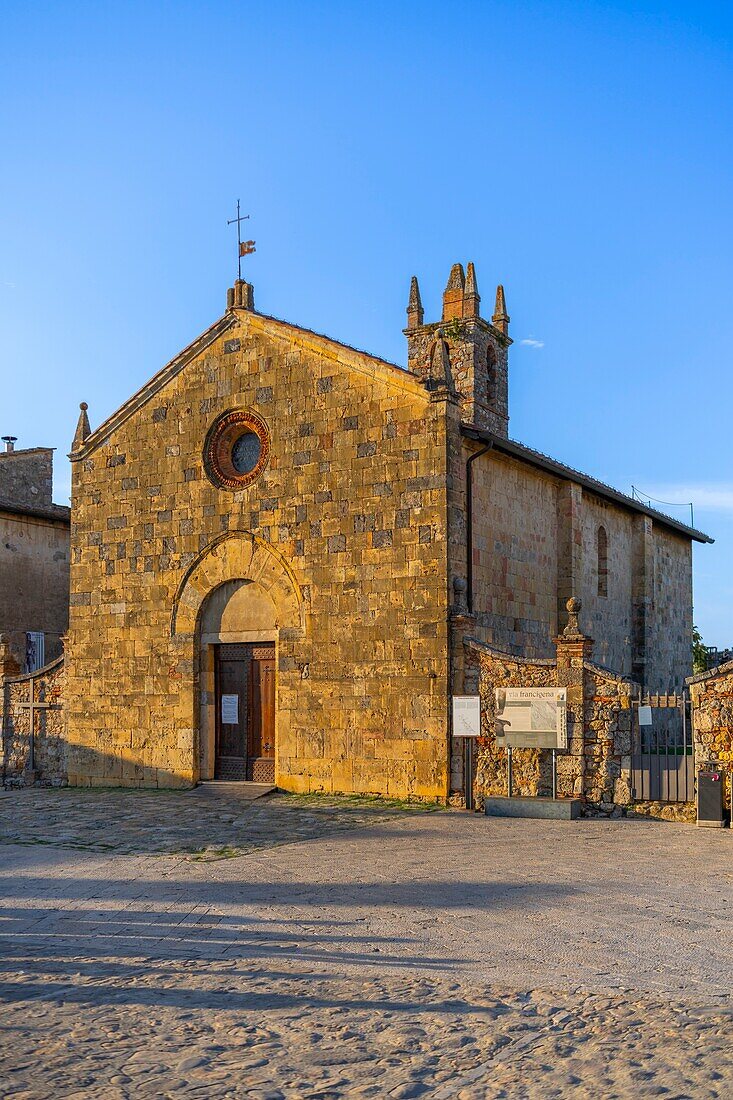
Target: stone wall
344	533
608	617
44	762
515	556
712	719
669	637
26	477
535	545
596	765
34	579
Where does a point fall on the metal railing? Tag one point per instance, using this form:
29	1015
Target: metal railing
662	753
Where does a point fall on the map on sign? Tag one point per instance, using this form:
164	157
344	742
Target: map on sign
531	718
466	716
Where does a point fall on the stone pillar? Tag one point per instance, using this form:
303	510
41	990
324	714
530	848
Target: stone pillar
569	549
444	395
573	649
8	667
642	597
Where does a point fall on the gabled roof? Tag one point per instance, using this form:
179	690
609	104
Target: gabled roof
360	361
567	473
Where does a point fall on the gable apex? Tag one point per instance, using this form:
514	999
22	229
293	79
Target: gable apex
381	370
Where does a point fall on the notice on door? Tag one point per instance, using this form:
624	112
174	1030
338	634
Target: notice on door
230	710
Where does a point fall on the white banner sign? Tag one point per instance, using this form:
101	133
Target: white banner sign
466	715
230	710
531	718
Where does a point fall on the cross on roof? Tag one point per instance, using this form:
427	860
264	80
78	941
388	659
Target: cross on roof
244	248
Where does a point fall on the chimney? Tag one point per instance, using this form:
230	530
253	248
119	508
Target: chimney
9	441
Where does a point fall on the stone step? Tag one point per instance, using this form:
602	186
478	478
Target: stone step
221	788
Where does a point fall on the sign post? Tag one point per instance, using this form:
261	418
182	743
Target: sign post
531	718
467	724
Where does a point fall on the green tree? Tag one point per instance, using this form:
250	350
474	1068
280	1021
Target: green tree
699	652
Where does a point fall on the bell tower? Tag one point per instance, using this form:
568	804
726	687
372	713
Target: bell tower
477	350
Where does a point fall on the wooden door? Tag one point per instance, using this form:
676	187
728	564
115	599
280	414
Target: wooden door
232	705
261	741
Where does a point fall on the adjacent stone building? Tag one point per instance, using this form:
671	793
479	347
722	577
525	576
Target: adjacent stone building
34	558
280	545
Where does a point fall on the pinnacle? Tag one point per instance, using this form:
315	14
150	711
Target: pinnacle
82	428
456	279
415	311
501	318
471	287
471	296
415	302
440	370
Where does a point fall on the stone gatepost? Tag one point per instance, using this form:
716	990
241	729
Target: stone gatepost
8	667
573	650
8	664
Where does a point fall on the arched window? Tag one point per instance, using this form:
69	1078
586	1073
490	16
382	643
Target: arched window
602	547
491	379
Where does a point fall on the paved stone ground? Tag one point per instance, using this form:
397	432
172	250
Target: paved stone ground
348	950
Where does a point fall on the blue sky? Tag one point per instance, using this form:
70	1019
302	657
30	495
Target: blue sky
580	153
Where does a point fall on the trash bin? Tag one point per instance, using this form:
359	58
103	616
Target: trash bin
710	788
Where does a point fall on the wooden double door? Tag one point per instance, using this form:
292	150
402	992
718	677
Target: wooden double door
245	712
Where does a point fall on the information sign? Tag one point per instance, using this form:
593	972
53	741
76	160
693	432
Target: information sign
531	718
466	715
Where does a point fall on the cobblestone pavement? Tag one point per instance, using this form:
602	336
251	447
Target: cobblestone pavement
156	822
357	952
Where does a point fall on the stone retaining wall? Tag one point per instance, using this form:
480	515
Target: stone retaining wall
712	720
42	763
596	765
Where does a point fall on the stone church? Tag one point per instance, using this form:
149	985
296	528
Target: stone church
280	544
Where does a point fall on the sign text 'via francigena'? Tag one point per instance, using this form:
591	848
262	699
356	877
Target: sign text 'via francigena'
531	718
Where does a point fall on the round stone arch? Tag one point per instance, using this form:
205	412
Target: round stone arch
239	592
239	556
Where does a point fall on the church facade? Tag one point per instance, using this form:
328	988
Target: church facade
280	544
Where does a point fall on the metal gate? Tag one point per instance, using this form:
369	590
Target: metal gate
662	754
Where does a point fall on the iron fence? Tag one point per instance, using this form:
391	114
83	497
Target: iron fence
662	753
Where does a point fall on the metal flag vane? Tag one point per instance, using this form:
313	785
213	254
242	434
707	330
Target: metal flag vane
245	248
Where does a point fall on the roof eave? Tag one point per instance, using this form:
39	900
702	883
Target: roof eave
567	473
56	513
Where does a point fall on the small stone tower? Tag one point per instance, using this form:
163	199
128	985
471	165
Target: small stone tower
477	350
